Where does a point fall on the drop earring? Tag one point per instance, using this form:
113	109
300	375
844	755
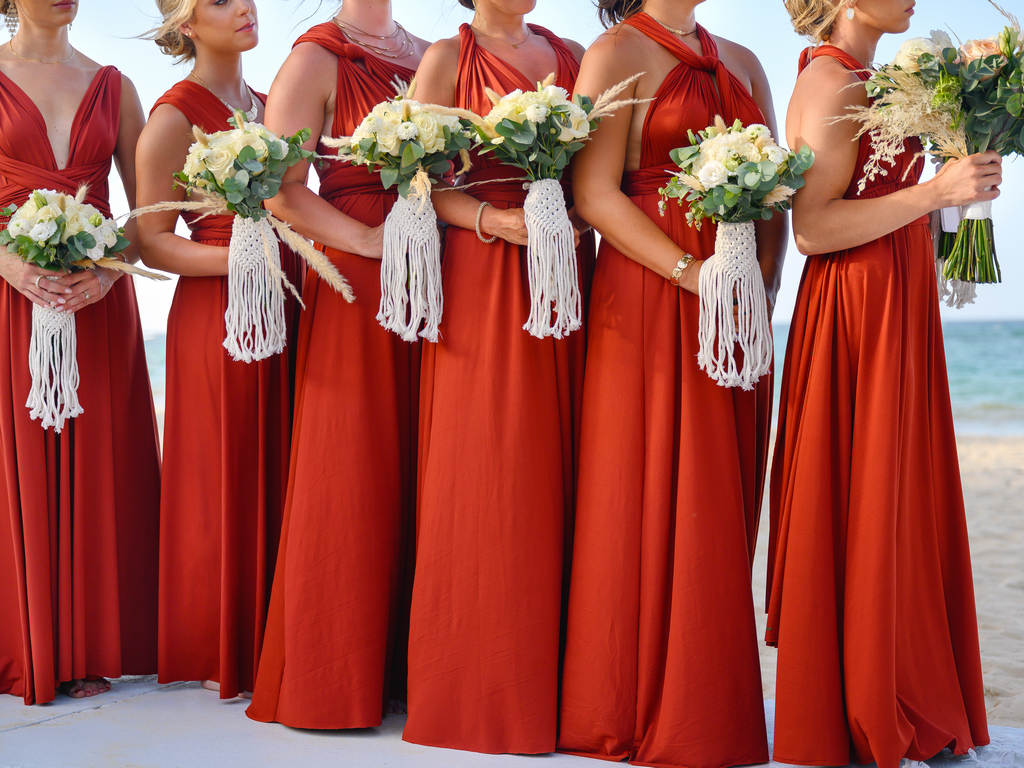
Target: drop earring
850	13
11	19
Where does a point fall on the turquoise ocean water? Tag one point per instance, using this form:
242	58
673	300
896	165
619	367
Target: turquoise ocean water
985	362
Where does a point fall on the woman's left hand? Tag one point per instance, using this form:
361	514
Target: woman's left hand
87	287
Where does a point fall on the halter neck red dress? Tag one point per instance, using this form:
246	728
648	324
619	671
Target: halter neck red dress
334	646
870	597
226	432
661	661
497	456
78	521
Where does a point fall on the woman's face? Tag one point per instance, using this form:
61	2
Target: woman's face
224	25
512	7
886	16
47	13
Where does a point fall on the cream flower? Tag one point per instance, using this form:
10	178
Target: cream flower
713	174
537	113
979	49
407	131
912	50
43	230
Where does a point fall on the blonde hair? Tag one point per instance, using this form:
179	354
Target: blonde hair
815	18
168	36
6	6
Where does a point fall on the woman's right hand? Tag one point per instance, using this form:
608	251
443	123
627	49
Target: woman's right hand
37	285
973	179
507	223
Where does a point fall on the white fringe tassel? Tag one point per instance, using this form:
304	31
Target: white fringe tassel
53	364
733	272
254	322
410	272
551	261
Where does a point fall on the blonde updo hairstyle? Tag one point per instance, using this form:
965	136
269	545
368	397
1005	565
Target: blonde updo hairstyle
815	18
168	36
6	6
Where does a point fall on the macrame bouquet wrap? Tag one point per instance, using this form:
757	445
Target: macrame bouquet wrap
961	100
59	232
734	175
412	146
232	173
539	131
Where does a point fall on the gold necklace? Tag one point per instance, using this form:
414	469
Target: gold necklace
390	36
250	114
406	48
17	55
674	31
517	46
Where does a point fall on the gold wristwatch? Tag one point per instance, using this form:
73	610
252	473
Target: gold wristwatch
684	261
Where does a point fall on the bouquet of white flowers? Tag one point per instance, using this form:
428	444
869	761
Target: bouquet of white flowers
734	175
56	231
412	146
539	131
234	172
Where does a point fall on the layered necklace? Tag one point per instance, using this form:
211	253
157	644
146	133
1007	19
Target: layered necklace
254	103
674	31
399	44
65	60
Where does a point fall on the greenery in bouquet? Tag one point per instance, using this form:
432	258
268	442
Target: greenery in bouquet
734	174
244	166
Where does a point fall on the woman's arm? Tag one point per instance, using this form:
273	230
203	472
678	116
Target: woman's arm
161	152
598	168
823	220
435	84
302	96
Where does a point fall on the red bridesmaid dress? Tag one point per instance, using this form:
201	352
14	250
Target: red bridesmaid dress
867	511
78	535
496	467
661	662
335	635
226	437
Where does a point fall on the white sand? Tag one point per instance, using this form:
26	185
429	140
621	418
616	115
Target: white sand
992	469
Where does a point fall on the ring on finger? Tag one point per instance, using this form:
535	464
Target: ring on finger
87	294
38	278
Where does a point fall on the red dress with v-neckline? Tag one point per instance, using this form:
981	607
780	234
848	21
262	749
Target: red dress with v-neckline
870	596
661	661
334	648
78	531
227	426
499	412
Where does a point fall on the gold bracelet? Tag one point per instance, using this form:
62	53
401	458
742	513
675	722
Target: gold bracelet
479	215
681	265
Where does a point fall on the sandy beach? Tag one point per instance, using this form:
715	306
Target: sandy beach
992	469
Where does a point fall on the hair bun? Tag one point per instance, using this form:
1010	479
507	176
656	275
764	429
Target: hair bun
814	18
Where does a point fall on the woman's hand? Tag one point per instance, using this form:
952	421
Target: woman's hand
507	223
371	243
40	286
973	179
86	287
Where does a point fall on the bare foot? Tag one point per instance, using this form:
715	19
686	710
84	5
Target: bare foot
85	688
210	685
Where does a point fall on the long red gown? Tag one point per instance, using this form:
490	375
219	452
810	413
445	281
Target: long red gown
661	662
334	642
497	457
870	596
226	436
78	535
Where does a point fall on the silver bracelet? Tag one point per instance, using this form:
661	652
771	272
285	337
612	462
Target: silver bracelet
479	215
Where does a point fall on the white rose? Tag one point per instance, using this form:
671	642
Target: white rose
241	139
220	161
43	231
429	130
47	213
912	50
537	113
388	141
713	174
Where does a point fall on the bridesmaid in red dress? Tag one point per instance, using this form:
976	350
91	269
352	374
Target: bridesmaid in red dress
334	646
498	418
661	662
867	510
78	510
227	423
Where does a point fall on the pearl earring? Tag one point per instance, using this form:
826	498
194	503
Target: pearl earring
850	13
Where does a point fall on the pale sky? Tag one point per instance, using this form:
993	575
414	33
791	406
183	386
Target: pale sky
105	30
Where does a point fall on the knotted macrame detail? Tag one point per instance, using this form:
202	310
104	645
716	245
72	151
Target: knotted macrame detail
254	322
731	280
410	271
53	365
555	302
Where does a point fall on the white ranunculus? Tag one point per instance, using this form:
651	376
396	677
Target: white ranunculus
407	131
43	230
757	131
912	50
537	113
775	154
713	174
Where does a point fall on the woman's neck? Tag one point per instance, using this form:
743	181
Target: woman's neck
492	22
221	73
678	14
41	43
371	16
858	40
